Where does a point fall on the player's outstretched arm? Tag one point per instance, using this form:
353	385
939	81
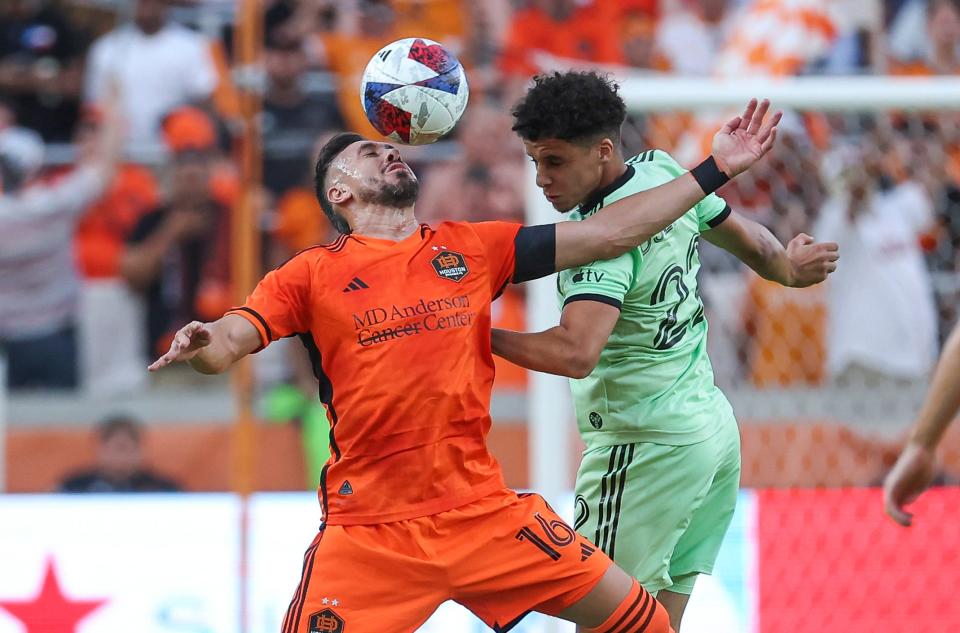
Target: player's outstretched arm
916	467
633	220
569	349
211	348
804	262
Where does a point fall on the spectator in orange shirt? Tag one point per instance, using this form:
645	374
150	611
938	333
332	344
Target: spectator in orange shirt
639	42
178	254
438	20
105	227
560	28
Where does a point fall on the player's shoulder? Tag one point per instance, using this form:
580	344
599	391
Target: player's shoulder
318	253
625	262
654	158
483	232
473	226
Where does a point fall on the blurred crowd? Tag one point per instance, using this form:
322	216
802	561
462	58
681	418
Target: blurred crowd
120	126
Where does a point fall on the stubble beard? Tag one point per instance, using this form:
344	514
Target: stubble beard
402	193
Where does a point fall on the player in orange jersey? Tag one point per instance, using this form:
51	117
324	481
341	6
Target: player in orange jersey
396	317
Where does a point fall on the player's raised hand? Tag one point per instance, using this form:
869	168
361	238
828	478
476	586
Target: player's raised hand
911	475
811	261
189	340
745	139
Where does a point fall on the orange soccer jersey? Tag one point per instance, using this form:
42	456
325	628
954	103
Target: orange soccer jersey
399	335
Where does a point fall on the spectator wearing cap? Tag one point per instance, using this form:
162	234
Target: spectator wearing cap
178	254
160	66
39	285
120	464
41	60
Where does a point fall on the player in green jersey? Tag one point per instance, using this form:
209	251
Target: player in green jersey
658	482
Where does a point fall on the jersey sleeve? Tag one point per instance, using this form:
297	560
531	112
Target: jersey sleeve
712	210
279	305
517	253
606	281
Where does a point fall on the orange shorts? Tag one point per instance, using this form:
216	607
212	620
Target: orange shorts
501	557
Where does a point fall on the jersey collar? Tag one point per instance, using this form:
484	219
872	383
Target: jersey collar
595	201
416	236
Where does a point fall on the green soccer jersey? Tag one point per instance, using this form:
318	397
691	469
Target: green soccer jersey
654	382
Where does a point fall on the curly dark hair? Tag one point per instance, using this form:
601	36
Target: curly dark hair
328	153
570	106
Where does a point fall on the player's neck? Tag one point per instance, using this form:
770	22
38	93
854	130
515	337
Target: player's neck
386	223
611	173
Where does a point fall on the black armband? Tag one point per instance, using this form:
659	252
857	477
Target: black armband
709	176
535	252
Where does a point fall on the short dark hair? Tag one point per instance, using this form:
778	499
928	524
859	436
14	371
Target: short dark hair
119	424
328	153
570	106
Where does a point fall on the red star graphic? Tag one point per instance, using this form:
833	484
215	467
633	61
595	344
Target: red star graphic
50	611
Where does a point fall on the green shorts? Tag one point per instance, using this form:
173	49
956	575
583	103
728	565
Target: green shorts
661	512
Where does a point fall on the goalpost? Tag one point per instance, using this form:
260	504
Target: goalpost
548	407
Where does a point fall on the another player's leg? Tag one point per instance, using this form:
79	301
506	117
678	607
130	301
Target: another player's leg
696	551
675	603
636	501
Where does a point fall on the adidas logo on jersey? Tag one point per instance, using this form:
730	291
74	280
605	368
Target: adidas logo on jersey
585	551
345	488
356	284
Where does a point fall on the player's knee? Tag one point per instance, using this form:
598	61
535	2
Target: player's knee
639	612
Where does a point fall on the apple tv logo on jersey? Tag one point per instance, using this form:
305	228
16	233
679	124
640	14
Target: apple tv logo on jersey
585	274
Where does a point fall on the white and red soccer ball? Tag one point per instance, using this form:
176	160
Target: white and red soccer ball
414	91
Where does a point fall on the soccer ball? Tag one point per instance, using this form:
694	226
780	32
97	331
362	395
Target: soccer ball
414	91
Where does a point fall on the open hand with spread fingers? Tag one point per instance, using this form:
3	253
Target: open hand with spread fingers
745	139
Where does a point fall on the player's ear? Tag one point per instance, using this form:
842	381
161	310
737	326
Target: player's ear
606	149
338	194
